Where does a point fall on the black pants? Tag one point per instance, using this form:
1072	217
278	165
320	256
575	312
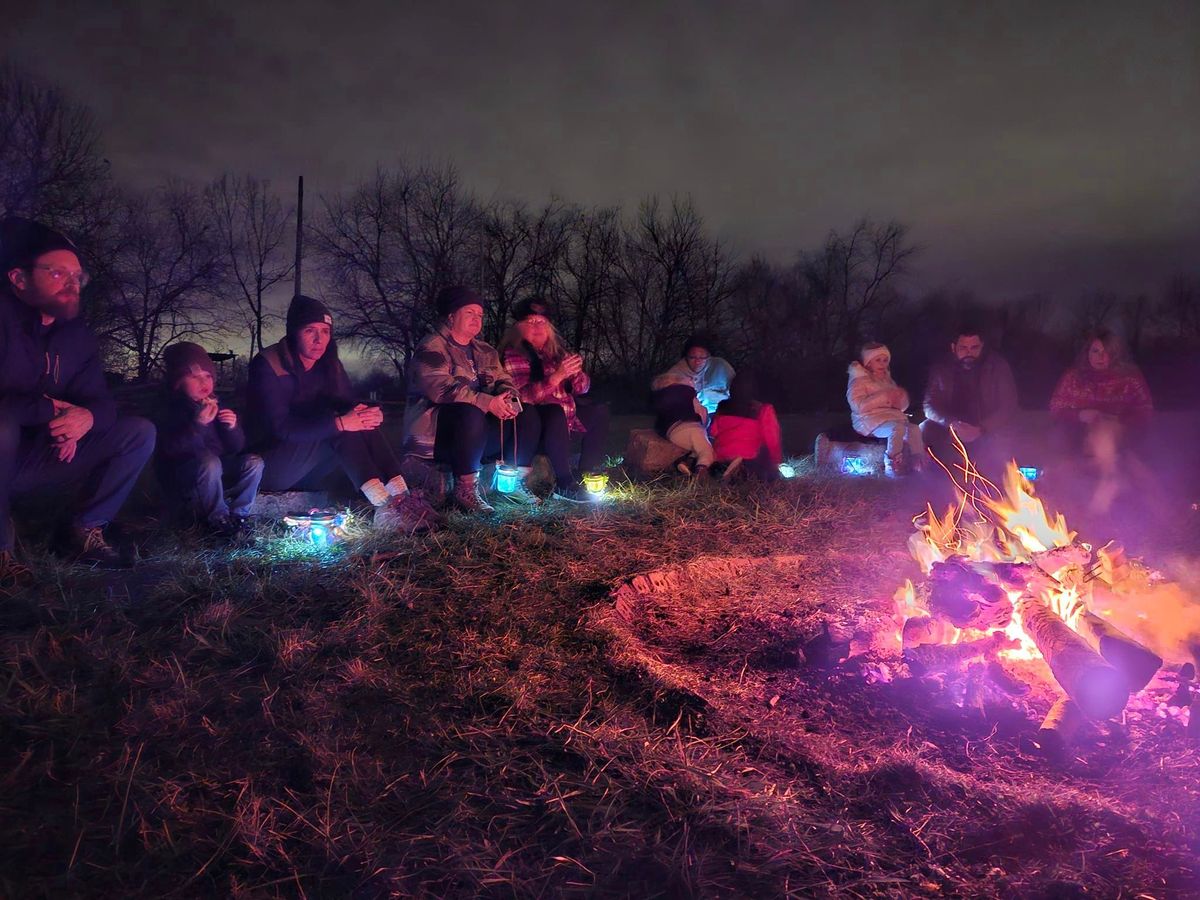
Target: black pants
466	435
202	482
556	438
106	466
307	465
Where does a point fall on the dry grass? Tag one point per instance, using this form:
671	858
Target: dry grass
467	713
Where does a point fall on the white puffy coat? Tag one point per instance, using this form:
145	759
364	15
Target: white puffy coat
873	399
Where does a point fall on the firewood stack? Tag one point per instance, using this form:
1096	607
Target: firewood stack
972	611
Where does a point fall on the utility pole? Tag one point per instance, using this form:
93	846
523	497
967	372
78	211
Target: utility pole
299	230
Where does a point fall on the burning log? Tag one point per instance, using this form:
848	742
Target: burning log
940	657
1136	662
1060	726
920	630
1097	686
966	597
1005	680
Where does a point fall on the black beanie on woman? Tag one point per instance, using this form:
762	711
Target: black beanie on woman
306	311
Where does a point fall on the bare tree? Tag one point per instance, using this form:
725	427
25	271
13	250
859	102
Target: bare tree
521	253
51	167
852	282
252	226
163	272
389	246
1179	309
588	275
673	279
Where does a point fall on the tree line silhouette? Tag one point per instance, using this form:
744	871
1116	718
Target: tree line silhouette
213	263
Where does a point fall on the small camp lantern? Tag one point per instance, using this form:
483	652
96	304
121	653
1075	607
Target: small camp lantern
596	483
855	465
507	478
1030	473
787	470
321	527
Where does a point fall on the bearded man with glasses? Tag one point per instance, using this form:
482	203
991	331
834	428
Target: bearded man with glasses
58	423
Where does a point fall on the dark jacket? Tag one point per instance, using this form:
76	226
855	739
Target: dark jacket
181	437
61	360
674	404
287	405
986	396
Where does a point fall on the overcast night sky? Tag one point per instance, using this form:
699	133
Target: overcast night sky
1030	146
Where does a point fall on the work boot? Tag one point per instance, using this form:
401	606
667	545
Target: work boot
424	476
407	513
468	497
91	549
893	466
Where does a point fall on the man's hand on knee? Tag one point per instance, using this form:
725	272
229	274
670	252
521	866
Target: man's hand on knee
70	422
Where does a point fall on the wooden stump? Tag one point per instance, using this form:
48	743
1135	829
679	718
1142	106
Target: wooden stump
650	454
849	457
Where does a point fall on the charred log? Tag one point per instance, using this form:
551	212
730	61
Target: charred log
1060	726
1005	680
1097	686
942	657
967	598
1136	662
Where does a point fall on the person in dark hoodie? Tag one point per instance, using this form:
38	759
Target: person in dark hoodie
971	394
200	446
58	422
304	422
681	419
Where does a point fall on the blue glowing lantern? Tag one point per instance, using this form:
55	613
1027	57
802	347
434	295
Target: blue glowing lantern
1030	473
787	470
320	527
855	465
507	478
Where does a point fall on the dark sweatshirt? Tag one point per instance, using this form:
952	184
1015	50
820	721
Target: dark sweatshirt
181	437
672	405
287	405
60	360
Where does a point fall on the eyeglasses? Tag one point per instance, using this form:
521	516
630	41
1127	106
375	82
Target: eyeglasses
62	276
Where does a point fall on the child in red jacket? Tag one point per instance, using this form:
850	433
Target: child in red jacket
745	431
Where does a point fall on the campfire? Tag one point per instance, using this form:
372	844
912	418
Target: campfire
1011	600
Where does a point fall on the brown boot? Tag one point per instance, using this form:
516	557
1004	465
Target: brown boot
468	496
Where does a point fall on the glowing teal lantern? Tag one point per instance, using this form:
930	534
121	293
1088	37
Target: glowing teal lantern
1030	473
321	527
855	465
787	470
508	478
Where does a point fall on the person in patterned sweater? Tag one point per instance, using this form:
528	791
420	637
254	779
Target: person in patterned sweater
1100	406
551	382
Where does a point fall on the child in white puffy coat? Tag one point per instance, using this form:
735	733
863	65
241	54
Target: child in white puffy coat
877	406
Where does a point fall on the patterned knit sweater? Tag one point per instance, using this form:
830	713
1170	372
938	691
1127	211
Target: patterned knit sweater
1120	392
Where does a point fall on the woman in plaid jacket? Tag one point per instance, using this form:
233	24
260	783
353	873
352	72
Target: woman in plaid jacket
549	380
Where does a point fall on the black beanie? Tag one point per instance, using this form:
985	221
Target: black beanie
179	359
22	241
306	311
532	306
453	298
